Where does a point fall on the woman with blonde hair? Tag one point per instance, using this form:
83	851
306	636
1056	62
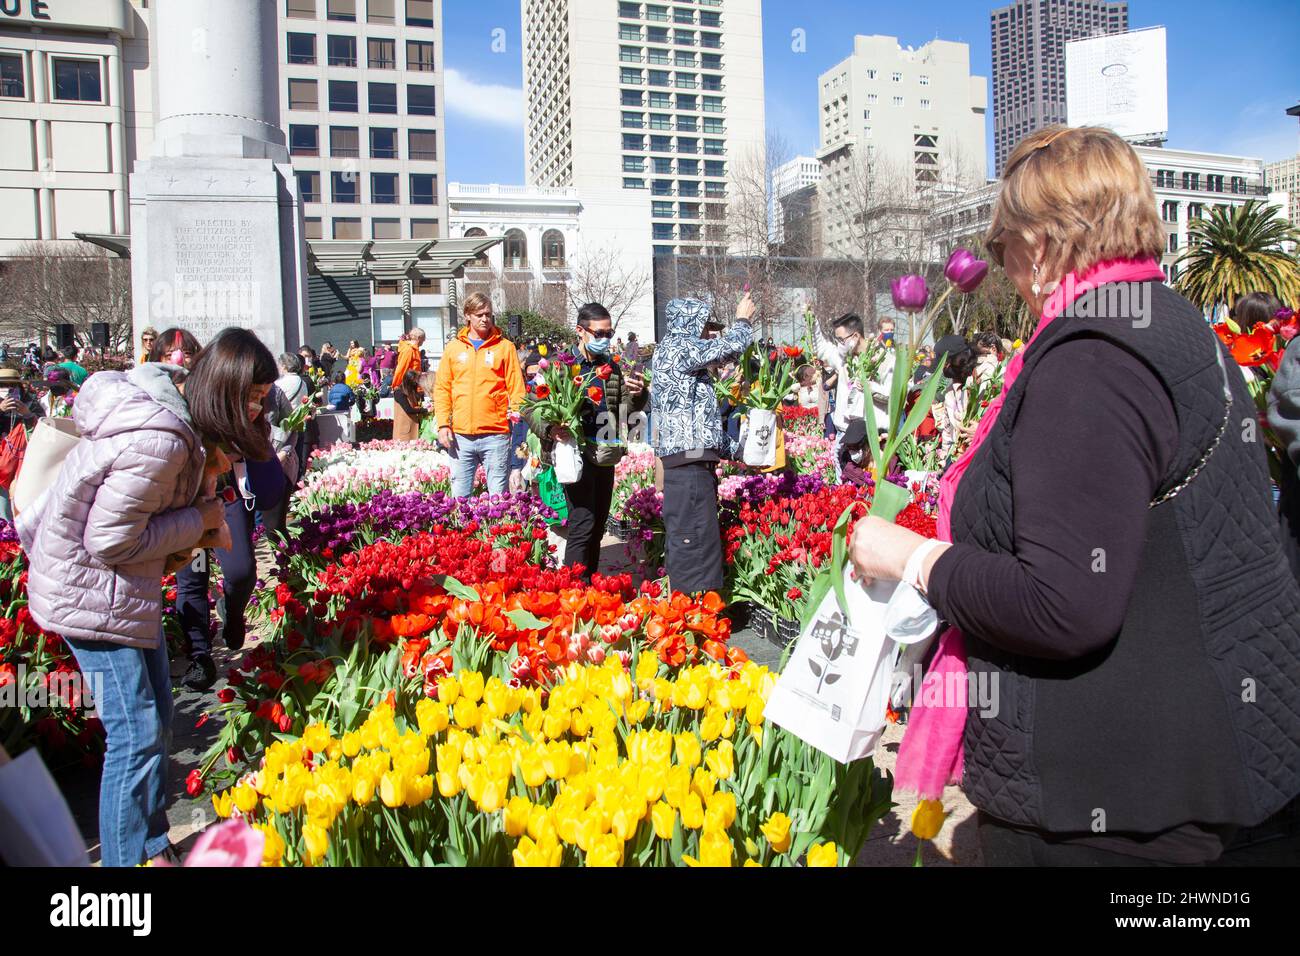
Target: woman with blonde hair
1110	566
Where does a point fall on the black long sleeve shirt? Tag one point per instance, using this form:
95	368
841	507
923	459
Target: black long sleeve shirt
1095	436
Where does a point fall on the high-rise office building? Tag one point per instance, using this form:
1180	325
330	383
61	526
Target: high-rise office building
361	91
1028	38
895	122
665	99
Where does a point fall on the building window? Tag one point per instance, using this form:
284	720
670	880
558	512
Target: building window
341	51
383	143
424	189
343	96
923	80
383	188
344	188
345	141
420	101
1165	178
1169	211
1214	182
386	286
341	10
301	47
1191	180
300	9
382	53
309	186
347	228
77	80
380	11
898	101
422	144
304	140
925	104
1195	211
516	250
383	97
428	229
419	13
419	56
897	77
302	95
313	227
13	78
1173	242
871	74
633	183
553	249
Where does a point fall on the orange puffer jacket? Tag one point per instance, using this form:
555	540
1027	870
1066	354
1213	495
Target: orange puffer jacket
477	390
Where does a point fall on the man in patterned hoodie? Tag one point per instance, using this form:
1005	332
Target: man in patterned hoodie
689	439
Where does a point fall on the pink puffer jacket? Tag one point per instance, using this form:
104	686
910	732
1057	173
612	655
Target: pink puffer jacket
97	540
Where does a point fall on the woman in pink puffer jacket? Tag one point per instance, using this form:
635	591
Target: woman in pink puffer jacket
128	497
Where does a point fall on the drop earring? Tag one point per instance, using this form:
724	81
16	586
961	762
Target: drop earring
1036	288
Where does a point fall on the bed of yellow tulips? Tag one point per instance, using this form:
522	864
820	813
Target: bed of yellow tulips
616	764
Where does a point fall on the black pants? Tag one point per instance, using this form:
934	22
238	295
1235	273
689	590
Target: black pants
693	541
589	499
1007	845
239	577
192	604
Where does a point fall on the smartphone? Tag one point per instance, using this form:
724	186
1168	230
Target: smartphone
16	394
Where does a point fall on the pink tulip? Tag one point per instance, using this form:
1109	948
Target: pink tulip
232	843
965	271
910	293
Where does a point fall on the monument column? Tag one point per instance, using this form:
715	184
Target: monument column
217	231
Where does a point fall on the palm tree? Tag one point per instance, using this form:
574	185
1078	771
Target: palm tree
1239	250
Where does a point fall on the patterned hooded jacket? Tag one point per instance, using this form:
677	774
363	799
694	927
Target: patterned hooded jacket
682	400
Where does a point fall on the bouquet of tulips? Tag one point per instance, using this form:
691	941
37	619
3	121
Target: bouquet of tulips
1259	352
296	420
558	400
769	377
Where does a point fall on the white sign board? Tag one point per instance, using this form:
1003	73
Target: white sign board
1119	81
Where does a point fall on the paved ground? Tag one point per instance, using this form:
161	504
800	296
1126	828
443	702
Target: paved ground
891	843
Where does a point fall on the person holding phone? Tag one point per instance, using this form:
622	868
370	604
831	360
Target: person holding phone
129	496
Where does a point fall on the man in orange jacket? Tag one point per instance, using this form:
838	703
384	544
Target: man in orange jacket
479	390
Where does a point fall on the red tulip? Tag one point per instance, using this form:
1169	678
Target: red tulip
543	391
595	394
194	783
604	372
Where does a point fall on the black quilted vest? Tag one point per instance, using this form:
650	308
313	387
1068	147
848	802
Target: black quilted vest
1192	713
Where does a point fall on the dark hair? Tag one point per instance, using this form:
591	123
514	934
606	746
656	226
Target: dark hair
960	364
291	363
802	370
411	388
69	352
338	378
591	312
1253	308
217	392
171	340
988	343
851	322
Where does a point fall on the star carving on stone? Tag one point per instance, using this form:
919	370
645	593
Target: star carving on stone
248	183
172	180
211	181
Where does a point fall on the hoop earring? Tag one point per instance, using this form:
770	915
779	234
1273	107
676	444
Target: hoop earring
1036	288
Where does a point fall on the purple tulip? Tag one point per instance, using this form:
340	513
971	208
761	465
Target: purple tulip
965	271
910	293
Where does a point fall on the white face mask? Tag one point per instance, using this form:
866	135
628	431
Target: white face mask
856	457
845	348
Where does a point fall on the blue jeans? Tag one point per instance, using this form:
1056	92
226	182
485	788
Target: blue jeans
135	704
467	451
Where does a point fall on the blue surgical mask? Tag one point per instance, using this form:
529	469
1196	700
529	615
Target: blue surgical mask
887	338
598	346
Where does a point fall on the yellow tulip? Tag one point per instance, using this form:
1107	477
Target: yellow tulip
927	819
721	761
466	713
777	831
541	350
223	804
540	822
471	685
369	735
723	805
448	784
606	850
316	840
419	790
432	716
692	811
544	852
663	817
363	788
688	749
272	844
316	738
715	850
351	744
392	789
823	854
703	783
245	798
678	785
448	690
492	795
516	816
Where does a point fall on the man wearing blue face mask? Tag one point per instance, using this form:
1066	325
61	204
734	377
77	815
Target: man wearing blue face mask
603	424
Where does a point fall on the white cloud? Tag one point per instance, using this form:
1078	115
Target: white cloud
485	102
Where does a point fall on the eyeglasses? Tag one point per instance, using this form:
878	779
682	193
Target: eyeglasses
997	248
601	334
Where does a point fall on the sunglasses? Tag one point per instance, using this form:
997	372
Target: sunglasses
602	334
997	248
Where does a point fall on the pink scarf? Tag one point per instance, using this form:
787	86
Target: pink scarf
930	755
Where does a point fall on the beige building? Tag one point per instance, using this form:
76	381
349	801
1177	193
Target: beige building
76	111
1284	177
646	98
902	120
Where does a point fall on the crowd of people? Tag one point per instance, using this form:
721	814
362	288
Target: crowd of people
1120	690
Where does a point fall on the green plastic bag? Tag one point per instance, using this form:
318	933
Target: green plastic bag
429	429
552	494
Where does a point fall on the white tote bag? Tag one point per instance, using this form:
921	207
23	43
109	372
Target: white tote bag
568	462
835	689
761	429
51	441
36	827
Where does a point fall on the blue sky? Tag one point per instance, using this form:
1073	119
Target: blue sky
1234	68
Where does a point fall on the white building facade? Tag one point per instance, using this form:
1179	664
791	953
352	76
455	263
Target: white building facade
788	178
646	98
913	119
1284	177
553	237
75	113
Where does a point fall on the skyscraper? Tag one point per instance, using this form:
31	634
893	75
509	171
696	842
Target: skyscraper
645	96
1028	38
